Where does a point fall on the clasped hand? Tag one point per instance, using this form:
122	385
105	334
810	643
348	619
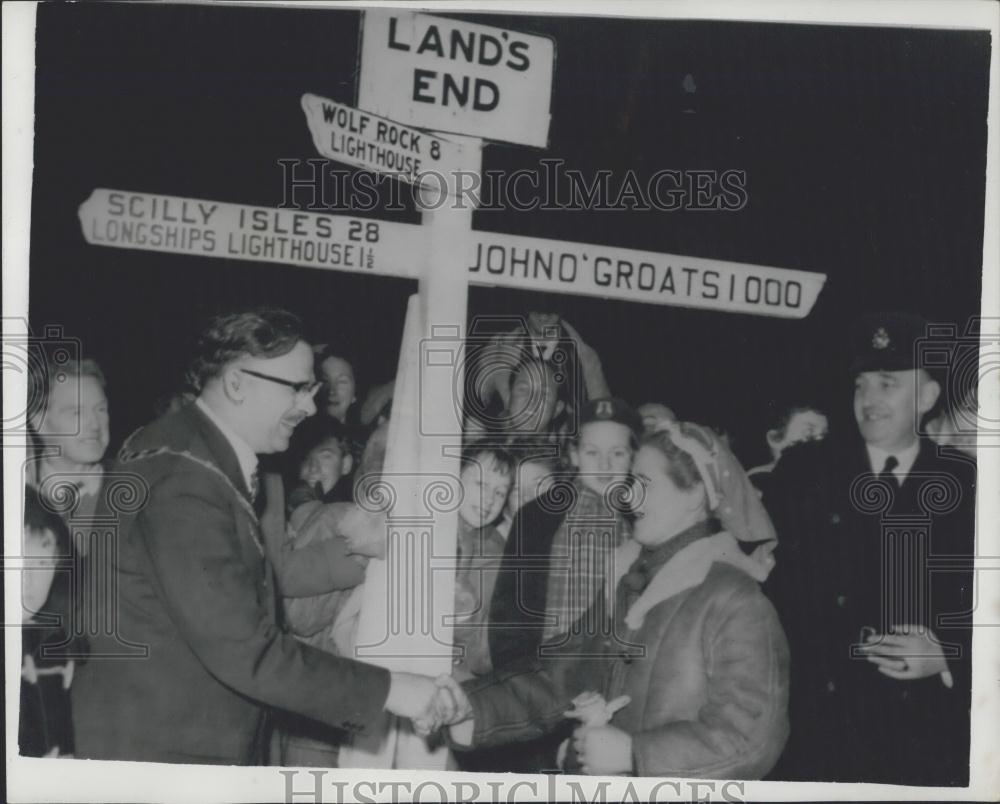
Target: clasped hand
450	705
429	703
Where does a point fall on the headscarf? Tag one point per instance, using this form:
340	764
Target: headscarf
732	498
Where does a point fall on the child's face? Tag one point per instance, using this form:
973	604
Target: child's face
338	377
485	489
534	398
325	464
533	478
40	547
603	455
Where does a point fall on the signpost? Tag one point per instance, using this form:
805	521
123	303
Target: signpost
424	72
365	140
447	75
125	219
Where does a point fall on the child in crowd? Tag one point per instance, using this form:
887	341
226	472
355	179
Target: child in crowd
46	726
323	466
793	424
537	404
534	475
486	475
562	545
326	621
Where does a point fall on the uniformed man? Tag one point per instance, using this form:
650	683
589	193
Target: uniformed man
878	626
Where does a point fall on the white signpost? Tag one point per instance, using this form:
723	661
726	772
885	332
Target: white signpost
125	219
447	75
365	140
424	72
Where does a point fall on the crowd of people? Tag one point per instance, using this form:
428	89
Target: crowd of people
629	600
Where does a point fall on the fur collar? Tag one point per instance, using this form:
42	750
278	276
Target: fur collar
685	570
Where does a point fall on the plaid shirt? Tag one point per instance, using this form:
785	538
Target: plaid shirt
582	562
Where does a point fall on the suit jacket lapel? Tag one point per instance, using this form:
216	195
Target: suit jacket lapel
220	451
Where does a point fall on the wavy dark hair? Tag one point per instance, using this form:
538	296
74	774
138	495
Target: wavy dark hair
254	333
478	453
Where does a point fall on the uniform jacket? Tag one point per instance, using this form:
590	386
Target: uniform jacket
706	669
196	604
856	554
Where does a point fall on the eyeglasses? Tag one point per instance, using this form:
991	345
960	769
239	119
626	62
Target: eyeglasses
306	387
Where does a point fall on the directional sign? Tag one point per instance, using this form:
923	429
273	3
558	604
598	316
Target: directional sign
124	219
447	75
368	141
559	266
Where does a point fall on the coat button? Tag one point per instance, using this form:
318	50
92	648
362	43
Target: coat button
831	687
834	519
841	601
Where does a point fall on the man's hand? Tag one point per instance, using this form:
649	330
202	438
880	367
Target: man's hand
907	652
603	750
410	695
449	705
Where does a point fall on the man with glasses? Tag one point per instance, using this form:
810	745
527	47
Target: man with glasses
195	603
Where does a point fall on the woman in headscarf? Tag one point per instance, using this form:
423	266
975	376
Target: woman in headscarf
696	663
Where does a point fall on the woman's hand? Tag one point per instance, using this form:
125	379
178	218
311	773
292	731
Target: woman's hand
603	750
591	709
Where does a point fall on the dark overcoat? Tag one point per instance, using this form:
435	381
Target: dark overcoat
859	555
193	604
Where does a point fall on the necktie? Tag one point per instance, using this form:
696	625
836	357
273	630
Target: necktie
254	486
886	474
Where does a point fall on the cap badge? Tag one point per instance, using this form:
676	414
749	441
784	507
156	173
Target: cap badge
880	340
604	409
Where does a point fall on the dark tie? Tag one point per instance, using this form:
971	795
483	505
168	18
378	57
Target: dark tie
254	486
886	474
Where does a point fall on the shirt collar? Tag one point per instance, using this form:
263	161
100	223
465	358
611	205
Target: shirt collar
906	457
245	455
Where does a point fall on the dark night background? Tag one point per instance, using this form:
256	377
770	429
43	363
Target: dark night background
864	150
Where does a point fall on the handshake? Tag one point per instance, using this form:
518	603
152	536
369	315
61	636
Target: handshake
429	703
